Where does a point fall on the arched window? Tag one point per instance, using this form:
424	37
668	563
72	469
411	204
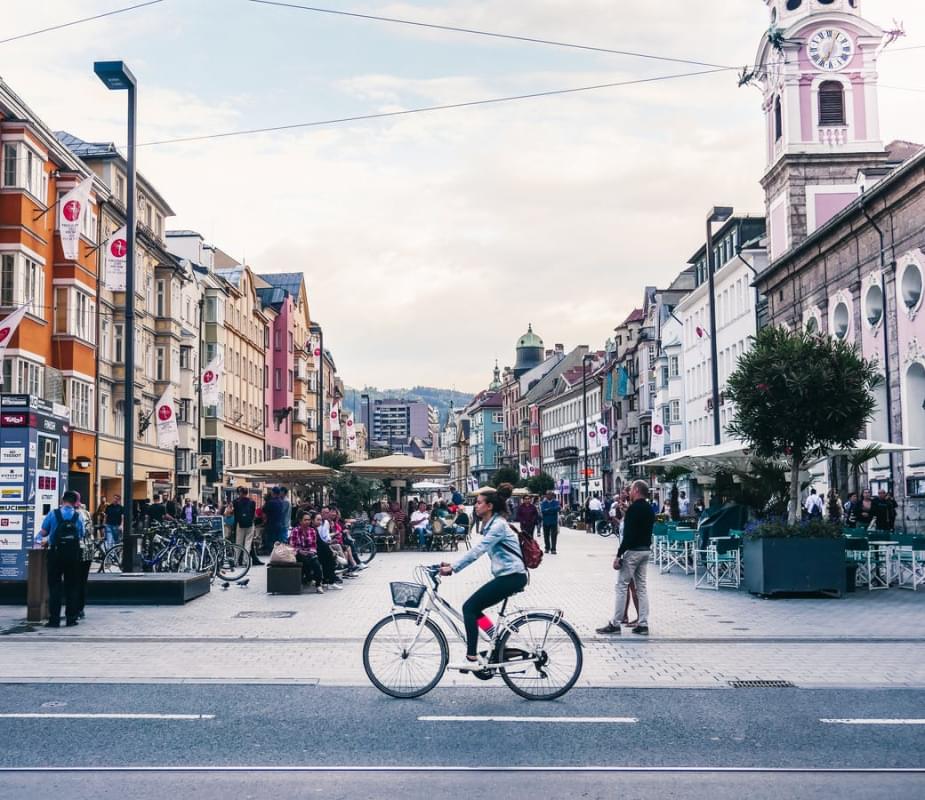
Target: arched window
793	5
831	103
778	120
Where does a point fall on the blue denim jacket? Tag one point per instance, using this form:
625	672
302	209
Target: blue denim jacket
501	544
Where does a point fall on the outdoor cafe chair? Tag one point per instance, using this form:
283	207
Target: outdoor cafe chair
719	565
909	561
678	549
873	562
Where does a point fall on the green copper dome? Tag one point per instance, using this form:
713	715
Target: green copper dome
529	339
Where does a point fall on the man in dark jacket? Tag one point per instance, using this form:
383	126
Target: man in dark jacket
633	558
549	510
245	511
275	523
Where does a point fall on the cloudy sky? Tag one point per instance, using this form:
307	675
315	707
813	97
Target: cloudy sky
429	241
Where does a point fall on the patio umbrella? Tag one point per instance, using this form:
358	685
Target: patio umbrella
285	470
520	492
398	467
428	486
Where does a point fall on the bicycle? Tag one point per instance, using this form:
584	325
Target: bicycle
364	542
607	528
211	552
536	653
163	552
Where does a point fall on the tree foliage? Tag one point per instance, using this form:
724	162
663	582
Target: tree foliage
797	395
541	483
506	475
334	459
351	493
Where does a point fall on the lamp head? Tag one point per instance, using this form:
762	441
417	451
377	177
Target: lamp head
115	74
720	213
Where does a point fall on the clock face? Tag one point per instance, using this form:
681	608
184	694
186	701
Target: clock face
830	49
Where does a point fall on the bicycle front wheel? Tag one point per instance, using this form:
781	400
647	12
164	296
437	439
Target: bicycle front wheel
112	561
233	562
550	650
405	655
366	547
605	529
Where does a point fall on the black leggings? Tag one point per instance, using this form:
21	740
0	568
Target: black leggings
311	568
550	535
491	593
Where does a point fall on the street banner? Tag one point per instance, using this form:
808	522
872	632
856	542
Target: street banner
313	345
471	484
8	327
594	444
209	380
657	439
334	417
523	470
603	435
702	336
531	470
71	210
115	256
351	432
168	432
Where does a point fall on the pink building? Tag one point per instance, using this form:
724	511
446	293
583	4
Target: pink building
279	375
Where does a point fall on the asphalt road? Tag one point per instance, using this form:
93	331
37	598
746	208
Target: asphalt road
286	726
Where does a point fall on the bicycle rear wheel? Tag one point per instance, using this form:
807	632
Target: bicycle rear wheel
233	561
551	648
112	561
405	655
366	547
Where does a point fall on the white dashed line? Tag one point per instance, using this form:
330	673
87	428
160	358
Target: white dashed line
569	720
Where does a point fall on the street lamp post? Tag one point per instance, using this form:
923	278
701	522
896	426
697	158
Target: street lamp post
118	77
584	405
369	422
315	330
717	214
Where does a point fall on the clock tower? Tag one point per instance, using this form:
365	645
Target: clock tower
817	70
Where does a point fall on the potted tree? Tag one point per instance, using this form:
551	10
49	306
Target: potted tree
797	395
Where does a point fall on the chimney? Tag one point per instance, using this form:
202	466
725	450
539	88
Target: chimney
549	353
560	348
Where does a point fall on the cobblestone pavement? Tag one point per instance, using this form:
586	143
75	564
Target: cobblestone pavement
699	638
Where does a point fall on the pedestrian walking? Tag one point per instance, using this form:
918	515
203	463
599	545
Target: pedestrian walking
112	522
245	511
549	511
527	516
276	519
61	534
633	558
86	555
595	512
813	505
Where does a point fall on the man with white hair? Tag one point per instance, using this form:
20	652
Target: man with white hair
633	558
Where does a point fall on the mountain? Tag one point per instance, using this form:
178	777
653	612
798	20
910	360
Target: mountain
438	398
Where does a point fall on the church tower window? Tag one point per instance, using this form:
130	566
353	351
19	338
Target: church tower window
778	120
831	103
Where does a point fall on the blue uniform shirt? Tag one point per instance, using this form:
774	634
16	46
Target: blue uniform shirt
51	522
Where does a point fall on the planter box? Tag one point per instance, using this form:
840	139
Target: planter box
794	566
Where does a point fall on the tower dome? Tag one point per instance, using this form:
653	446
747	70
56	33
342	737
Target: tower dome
529	352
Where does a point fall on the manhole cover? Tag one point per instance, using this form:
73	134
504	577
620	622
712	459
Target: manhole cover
762	685
264	614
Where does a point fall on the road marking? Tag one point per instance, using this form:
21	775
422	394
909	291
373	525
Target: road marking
579	720
874	721
107	716
456	768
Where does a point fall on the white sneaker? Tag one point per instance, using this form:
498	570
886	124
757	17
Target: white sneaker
319	590
337	586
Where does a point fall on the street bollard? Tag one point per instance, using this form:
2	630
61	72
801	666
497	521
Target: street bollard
37	585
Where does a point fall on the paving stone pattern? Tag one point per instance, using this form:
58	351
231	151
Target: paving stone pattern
698	637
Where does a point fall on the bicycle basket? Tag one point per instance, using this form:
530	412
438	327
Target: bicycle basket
407	595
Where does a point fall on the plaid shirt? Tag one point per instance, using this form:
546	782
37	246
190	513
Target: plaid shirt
304	540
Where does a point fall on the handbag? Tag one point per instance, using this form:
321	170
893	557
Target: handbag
282	554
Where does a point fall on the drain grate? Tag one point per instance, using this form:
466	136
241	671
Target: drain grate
762	685
264	614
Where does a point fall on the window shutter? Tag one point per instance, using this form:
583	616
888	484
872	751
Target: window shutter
831	104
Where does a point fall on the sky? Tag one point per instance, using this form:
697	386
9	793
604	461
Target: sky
429	241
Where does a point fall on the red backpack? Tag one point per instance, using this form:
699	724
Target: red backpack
530	550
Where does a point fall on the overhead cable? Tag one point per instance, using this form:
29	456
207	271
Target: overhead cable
79	21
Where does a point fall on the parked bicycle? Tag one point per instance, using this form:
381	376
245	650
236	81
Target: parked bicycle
607	527
534	650
211	552
361	533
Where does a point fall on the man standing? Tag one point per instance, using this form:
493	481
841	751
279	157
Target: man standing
113	521
274	523
549	510
288	521
684	505
62	532
245	510
595	512
813	505
527	516
455	497
633	558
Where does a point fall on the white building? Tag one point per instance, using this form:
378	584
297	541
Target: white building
739	253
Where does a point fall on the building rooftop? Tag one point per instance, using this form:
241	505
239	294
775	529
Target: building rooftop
287	281
529	339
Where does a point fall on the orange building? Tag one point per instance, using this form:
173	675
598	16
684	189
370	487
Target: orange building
53	353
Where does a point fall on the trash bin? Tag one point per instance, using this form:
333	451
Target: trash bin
852	576
37	585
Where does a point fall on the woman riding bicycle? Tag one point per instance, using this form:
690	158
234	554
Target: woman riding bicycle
507	564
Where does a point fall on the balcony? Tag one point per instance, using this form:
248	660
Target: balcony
833	134
167	326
